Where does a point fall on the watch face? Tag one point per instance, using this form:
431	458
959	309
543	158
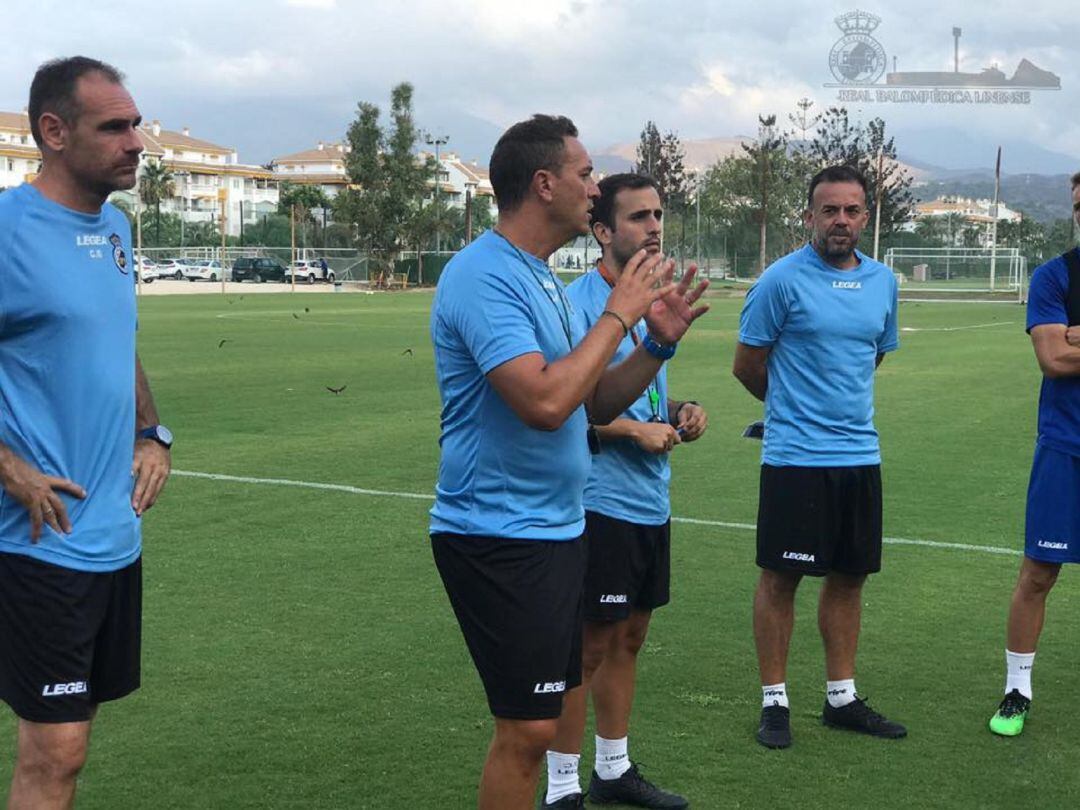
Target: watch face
164	434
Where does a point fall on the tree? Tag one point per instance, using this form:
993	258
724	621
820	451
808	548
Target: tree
803	121
387	184
839	142
156	184
663	158
302	198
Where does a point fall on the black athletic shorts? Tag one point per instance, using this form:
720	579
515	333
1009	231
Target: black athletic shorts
813	520
518	603
69	639
629	567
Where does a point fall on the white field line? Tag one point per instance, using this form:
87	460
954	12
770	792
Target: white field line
955	328
287	482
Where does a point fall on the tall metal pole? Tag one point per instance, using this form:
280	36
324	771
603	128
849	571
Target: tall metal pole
292	249
223	196
697	228
956	49
437	143
877	206
994	218
138	241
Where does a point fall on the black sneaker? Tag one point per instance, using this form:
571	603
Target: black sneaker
575	801
857	716
633	788
775	728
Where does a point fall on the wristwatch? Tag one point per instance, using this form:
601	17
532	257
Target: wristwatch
159	433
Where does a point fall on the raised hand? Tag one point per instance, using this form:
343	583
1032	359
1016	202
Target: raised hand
670	315
644	280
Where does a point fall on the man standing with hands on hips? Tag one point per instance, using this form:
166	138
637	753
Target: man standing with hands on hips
516	374
813	330
82	455
627	522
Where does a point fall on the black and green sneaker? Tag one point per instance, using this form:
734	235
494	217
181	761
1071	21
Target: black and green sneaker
857	716
1008	720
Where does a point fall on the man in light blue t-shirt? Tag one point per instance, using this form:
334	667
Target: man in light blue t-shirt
627	522
813	330
519	378
81	453
1052	530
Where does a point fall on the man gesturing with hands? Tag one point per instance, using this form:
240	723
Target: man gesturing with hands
520	381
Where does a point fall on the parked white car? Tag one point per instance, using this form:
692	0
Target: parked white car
147	269
204	270
310	271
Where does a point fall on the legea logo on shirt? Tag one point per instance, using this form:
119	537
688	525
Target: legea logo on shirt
847	285
88	239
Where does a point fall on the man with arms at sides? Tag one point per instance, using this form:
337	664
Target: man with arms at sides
812	331
1053	501
81	453
627	523
516	372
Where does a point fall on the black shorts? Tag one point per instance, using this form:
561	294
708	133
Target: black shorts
518	603
629	567
69	640
812	520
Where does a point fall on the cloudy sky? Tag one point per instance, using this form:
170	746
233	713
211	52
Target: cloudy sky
274	76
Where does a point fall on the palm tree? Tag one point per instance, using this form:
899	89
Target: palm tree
155	185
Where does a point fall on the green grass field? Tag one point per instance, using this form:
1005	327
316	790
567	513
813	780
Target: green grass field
299	651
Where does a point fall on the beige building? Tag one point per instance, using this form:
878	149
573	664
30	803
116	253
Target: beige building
323	166
201	170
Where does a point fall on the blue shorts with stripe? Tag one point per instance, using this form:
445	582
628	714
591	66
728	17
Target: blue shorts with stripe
1052	531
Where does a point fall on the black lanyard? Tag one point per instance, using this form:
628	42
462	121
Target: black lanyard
562	306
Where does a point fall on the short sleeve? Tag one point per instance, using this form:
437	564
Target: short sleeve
493	319
1047	295
889	340
764	312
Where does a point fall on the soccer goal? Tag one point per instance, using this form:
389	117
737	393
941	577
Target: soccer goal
959	273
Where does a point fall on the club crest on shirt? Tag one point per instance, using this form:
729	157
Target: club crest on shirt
118	254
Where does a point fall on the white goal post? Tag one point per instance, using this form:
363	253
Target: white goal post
959	273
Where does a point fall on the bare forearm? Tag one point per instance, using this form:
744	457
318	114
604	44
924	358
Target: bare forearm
621	384
756	381
618	429
1062	363
145	412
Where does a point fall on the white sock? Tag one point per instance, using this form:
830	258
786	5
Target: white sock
774	695
612	761
840	693
562	776
1018	668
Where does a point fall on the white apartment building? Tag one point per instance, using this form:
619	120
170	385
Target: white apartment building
19	156
968	210
323	166
200	169
208	177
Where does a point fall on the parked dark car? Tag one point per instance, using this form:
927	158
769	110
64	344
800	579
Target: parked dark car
258	269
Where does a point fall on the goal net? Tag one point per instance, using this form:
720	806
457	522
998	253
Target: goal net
959	273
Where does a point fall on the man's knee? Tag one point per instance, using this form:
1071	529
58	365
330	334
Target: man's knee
1037	578
595	643
526	740
52	752
778	586
632	632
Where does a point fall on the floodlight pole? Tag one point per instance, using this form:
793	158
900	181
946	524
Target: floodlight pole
292	248
956	49
223	195
994	218
877	205
437	142
138	242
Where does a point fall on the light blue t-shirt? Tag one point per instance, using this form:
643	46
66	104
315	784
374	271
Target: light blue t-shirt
626	482
498	477
826	328
67	374
1059	398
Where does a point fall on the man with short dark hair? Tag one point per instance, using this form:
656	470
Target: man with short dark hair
813	329
517	372
627	523
82	455
1053	519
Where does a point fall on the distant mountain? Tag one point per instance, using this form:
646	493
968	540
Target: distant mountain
958	150
700	154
